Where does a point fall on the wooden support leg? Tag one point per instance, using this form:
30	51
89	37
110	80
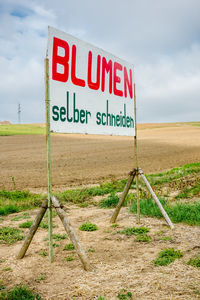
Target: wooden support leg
123	196
33	230
71	233
165	215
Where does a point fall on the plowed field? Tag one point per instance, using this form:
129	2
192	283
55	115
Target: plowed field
87	159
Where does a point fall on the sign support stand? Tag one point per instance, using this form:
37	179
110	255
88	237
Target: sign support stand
135	174
48	143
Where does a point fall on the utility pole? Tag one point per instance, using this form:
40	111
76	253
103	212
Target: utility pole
19	113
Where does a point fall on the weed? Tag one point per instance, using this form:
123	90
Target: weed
19	293
14	184
101	298
26	224
195	262
55	245
10	235
134	230
115	225
124	295
109	202
41	277
2	287
17	218
189	192
88	227
143	238
167	256
69	258
173	174
167	238
69	247
7	269
43	253
58	237
91	250
43	225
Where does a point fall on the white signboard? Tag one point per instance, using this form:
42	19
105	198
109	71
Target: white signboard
91	91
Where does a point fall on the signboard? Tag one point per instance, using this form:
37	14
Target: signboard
91	91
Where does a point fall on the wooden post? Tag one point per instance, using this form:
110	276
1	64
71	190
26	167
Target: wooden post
123	196
136	161
71	233
33	230
48	142
165	215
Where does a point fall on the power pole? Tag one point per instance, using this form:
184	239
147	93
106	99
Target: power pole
19	113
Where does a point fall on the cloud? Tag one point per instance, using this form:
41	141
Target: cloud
161	39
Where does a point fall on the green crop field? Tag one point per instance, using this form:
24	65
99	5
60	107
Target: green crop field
21	129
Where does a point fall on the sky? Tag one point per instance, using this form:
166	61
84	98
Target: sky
160	38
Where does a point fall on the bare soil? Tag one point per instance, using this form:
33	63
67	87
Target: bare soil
117	261
88	159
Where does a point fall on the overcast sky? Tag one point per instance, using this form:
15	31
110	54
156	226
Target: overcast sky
161	38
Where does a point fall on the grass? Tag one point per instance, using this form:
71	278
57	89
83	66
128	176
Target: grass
69	247
79	196
10	235
88	227
16	201
195	261
187	187
167	238
188	193
109	202
178	212
19	293
69	258
167	256
24	216
21	129
134	230
173	174
58	237
43	253
26	224
144	238
124	295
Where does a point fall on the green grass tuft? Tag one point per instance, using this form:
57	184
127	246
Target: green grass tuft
144	238
88	227
19	293
69	258
109	202
124	295
195	262
69	247
26	224
167	256
10	235
134	230
58	237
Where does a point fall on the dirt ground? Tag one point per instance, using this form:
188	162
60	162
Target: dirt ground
87	159
117	262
